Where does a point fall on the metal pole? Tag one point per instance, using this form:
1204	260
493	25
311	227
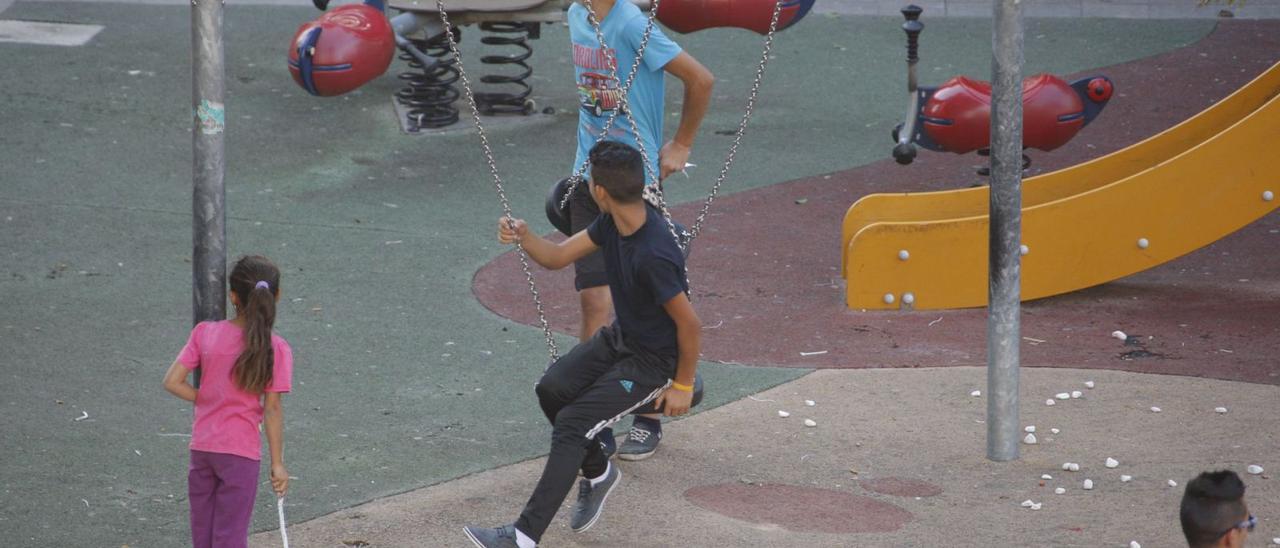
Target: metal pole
209	226
1004	290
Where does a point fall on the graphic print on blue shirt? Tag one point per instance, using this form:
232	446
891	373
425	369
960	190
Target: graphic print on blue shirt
645	270
599	94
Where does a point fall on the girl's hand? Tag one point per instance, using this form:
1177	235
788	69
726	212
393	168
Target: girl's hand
511	231
279	479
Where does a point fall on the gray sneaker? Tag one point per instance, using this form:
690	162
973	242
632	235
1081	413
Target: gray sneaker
591	500
641	442
500	537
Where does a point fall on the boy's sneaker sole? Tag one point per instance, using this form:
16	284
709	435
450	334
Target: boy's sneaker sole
636	456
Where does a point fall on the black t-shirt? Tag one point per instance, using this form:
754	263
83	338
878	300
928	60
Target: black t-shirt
645	270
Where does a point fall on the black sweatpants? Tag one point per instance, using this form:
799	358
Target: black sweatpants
593	386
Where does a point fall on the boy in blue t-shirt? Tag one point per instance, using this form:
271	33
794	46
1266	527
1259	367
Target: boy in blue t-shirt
649	354
623	25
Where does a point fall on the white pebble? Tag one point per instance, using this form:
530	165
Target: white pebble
1088	485
1276	541
1030	439
1031	429
1036	506
1173	483
1134	544
810	403
1255	469
1066	466
1046	477
1088	384
1112	463
976	393
1125	478
1049	402
1075	394
810	423
1059	491
1120	335
1219	409
1063	396
784	414
1027	503
1054	430
1155	409
1075	467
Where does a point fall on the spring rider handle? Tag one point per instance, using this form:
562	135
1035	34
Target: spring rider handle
904	152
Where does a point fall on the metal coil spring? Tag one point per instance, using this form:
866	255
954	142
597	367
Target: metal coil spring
517	100
429	91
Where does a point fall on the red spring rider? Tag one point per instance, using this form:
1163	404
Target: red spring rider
956	116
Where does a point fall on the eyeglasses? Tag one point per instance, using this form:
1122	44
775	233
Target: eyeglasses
1247	525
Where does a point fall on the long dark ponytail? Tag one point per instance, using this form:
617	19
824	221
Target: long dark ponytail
256	283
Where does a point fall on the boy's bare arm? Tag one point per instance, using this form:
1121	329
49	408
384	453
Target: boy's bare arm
698	82
689	342
550	255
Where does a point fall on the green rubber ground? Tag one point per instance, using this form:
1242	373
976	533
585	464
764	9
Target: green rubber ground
402	379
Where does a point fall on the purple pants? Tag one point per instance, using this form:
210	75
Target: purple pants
222	489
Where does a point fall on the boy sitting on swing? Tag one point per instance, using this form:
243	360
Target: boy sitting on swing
649	354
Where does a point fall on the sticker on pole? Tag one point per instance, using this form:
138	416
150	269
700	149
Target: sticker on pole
212	117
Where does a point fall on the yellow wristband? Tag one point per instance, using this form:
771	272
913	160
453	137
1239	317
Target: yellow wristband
681	387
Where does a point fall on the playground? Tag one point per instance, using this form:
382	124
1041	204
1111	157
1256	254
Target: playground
416	342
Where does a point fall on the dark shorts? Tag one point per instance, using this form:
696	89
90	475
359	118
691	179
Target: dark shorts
588	271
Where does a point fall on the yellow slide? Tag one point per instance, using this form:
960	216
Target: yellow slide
1085	225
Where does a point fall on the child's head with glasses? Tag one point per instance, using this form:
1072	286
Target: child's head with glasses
1214	513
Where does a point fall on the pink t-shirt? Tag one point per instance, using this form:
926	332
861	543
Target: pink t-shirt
227	417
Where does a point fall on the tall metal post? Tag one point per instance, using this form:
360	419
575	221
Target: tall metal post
1004	289
209	226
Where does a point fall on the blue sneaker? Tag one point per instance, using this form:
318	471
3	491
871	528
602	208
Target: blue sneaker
607	443
591	500
500	537
642	440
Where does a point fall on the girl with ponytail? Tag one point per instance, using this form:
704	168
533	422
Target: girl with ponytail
245	368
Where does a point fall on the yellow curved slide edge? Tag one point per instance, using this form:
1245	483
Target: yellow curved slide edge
1125	227
969	202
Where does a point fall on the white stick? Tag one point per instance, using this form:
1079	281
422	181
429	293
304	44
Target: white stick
284	535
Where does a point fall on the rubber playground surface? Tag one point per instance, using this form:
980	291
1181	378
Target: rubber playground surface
409	323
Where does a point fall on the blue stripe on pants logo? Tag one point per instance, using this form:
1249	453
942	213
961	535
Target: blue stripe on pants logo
627	385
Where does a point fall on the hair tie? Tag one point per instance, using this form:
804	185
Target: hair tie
262	285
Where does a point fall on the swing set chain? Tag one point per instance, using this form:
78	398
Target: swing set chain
497	181
624	91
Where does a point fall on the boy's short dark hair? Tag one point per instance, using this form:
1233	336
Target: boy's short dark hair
618	168
1212	504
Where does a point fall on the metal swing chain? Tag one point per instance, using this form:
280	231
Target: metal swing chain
497	181
624	89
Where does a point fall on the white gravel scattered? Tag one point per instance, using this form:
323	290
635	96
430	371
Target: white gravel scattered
1112	463
1028	503
1054	430
783	414
976	393
1134	544
1155	410
1088	384
1173	483
1046	477
1048	402
810	403
1120	335
1060	491
1276	541
1219	410
1031	429
1063	396
1075	394
1075	467
1254	469
1088	485
810	423
1036	506
1030	439
1126	478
